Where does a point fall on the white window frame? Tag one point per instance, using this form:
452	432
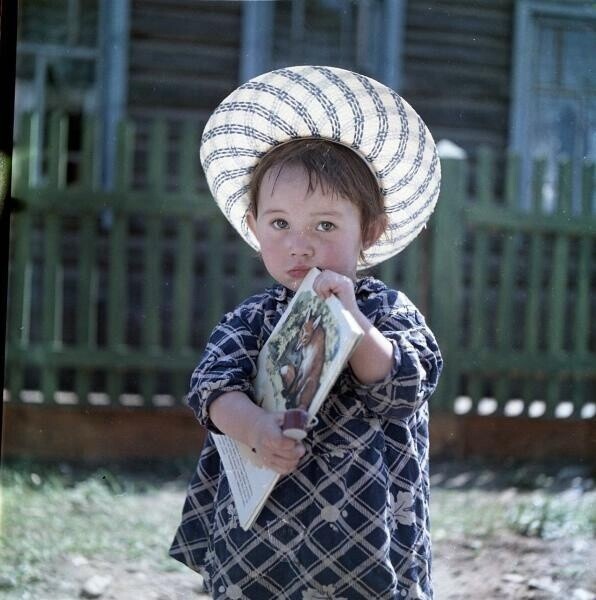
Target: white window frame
527	13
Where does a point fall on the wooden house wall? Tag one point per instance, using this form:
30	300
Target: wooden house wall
184	56
456	64
457	68
184	59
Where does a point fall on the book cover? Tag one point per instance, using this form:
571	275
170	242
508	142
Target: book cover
296	369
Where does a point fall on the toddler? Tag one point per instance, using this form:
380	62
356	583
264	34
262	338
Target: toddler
320	167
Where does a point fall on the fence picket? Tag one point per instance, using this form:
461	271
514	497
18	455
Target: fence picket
152	284
52	302
89	167
152	255
387	271
413	275
118	264
245	261
58	151
447	277
183	286
478	314
558	285
532	313
582	301
116	302
20	300
19	307
213	290
506	283
181	325
86	310
52	261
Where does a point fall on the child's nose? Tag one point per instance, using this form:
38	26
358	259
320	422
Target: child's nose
300	244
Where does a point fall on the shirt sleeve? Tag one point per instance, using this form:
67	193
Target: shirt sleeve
228	364
417	361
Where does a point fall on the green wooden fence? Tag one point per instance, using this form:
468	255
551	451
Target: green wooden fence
112	295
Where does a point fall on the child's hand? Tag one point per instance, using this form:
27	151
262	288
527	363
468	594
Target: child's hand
330	282
274	449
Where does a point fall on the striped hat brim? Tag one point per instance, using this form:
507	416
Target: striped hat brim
340	106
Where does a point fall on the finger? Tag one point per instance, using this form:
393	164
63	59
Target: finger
324	284
283	465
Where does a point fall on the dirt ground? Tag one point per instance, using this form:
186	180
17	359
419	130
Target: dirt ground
510	567
480	564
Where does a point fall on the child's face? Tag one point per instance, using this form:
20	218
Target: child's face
298	230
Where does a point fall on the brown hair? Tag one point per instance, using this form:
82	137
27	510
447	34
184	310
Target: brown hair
332	167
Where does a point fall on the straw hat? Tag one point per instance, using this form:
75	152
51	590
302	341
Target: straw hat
333	104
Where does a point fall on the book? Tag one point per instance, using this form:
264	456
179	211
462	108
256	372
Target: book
296	369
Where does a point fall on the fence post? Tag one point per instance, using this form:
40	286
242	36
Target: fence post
446	291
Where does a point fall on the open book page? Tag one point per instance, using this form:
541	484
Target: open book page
297	368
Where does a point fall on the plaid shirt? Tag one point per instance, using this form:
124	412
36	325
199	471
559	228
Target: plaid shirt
352	520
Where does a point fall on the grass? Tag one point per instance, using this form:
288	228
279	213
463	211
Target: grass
481	514
51	514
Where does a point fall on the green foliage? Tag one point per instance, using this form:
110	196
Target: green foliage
49	516
547	515
569	514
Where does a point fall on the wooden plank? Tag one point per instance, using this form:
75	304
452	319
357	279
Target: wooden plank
86	311
104	358
20	268
207	27
183	271
478	314
183	286
57	151
519	363
20	155
151	287
413	273
246	259
87	278
124	160
180	92
189	160
447	279
582	300
558	286
498	218
52	306
387	272
52	301
118	263
74	201
116	308
506	283
183	58
20	300
152	255
89	175
532	314
453	48
213	291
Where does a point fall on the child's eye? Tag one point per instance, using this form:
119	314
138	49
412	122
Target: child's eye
279	224
325	226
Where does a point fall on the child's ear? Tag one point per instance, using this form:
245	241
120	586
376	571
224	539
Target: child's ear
251	221
374	232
